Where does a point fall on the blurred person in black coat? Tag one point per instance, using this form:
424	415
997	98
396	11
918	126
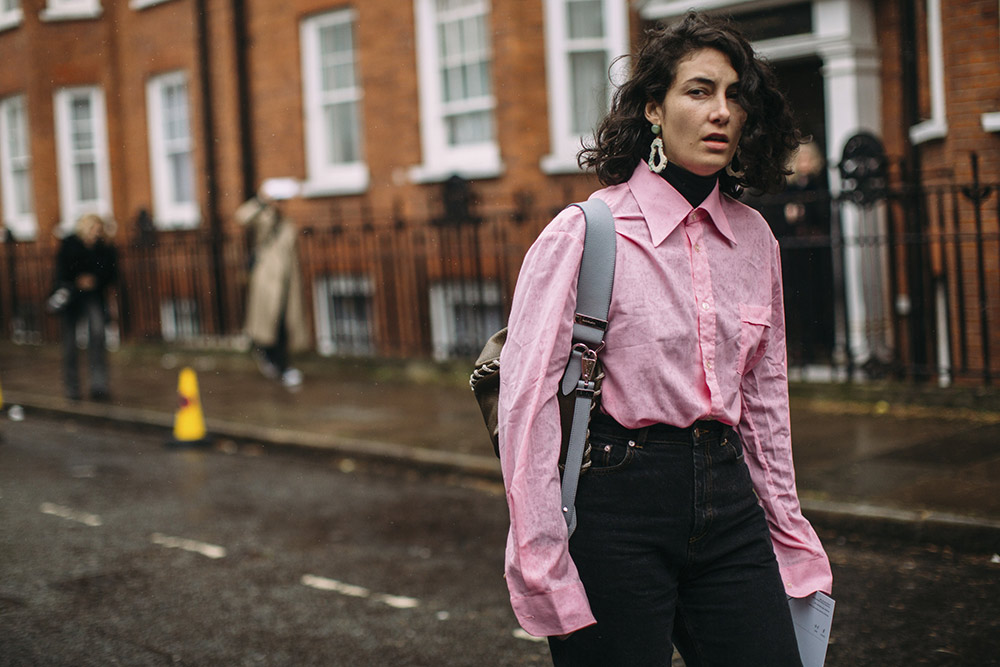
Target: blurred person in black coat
87	264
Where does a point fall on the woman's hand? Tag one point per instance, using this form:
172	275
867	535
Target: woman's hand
86	281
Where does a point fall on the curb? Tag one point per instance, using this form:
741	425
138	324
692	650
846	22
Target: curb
967	533
471	464
962	532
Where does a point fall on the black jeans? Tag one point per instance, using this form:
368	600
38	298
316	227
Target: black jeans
89	307
673	549
277	354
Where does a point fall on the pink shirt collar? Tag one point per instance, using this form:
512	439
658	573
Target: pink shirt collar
664	208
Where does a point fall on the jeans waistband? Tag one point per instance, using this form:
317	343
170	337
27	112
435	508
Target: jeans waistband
602	424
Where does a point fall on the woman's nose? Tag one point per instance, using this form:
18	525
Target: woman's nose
721	112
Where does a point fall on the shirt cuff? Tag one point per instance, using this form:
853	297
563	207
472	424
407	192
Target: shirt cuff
557	612
804	578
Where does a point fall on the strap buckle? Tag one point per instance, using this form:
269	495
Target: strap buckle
588	362
589	321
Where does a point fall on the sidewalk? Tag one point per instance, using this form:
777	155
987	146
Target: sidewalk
923	463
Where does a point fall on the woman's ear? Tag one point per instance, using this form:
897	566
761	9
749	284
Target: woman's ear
654	113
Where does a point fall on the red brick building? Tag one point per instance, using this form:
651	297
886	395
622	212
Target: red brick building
182	107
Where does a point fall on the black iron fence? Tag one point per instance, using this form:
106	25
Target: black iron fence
897	280
393	287
902	281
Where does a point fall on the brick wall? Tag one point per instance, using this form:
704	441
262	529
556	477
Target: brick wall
971	44
971	52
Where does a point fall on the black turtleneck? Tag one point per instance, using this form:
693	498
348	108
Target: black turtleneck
693	187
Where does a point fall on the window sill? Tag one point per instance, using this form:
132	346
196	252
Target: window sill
144	4
53	15
435	173
176	225
11	19
22	229
929	130
991	121
353	181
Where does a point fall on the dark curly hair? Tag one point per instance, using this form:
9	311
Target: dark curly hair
769	135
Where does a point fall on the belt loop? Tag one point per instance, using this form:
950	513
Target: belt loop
641	434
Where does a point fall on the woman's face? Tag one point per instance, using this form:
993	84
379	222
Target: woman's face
91	232
700	116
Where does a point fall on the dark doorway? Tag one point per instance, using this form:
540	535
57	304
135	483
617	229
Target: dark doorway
800	220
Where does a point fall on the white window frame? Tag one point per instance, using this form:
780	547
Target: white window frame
440	161
10	16
23	225
564	143
167	213
324	178
179	319
445	297
71	10
935	127
325	289
70	208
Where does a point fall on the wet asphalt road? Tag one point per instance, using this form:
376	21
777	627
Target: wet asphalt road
117	550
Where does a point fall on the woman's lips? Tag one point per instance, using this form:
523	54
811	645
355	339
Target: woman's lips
717	141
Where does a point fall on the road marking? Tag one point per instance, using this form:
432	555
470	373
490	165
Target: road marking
207	550
397	601
521	634
324	584
71	514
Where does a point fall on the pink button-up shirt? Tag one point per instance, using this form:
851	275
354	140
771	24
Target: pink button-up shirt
696	331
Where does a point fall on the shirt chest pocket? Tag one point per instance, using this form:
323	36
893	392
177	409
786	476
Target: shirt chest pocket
754	323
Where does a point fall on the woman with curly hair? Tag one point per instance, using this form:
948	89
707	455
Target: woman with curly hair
689	530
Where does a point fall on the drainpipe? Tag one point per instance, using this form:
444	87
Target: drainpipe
241	42
914	222
211	189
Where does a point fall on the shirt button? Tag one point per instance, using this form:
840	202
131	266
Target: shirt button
709	364
704	305
697	248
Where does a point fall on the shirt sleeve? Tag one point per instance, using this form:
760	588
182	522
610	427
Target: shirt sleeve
545	589
765	430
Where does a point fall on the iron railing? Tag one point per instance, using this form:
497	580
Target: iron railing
906	283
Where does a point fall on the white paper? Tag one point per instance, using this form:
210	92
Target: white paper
812	617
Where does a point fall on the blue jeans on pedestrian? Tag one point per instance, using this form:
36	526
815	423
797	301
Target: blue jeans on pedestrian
673	550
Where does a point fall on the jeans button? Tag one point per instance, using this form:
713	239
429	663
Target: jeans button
697	433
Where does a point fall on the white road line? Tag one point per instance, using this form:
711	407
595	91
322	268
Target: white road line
397	601
207	550
324	584
71	514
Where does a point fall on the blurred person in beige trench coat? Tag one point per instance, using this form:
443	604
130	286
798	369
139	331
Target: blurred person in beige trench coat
275	316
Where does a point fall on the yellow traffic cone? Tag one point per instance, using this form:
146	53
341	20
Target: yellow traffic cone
189	422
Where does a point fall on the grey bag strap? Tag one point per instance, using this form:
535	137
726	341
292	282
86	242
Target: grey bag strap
593	300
